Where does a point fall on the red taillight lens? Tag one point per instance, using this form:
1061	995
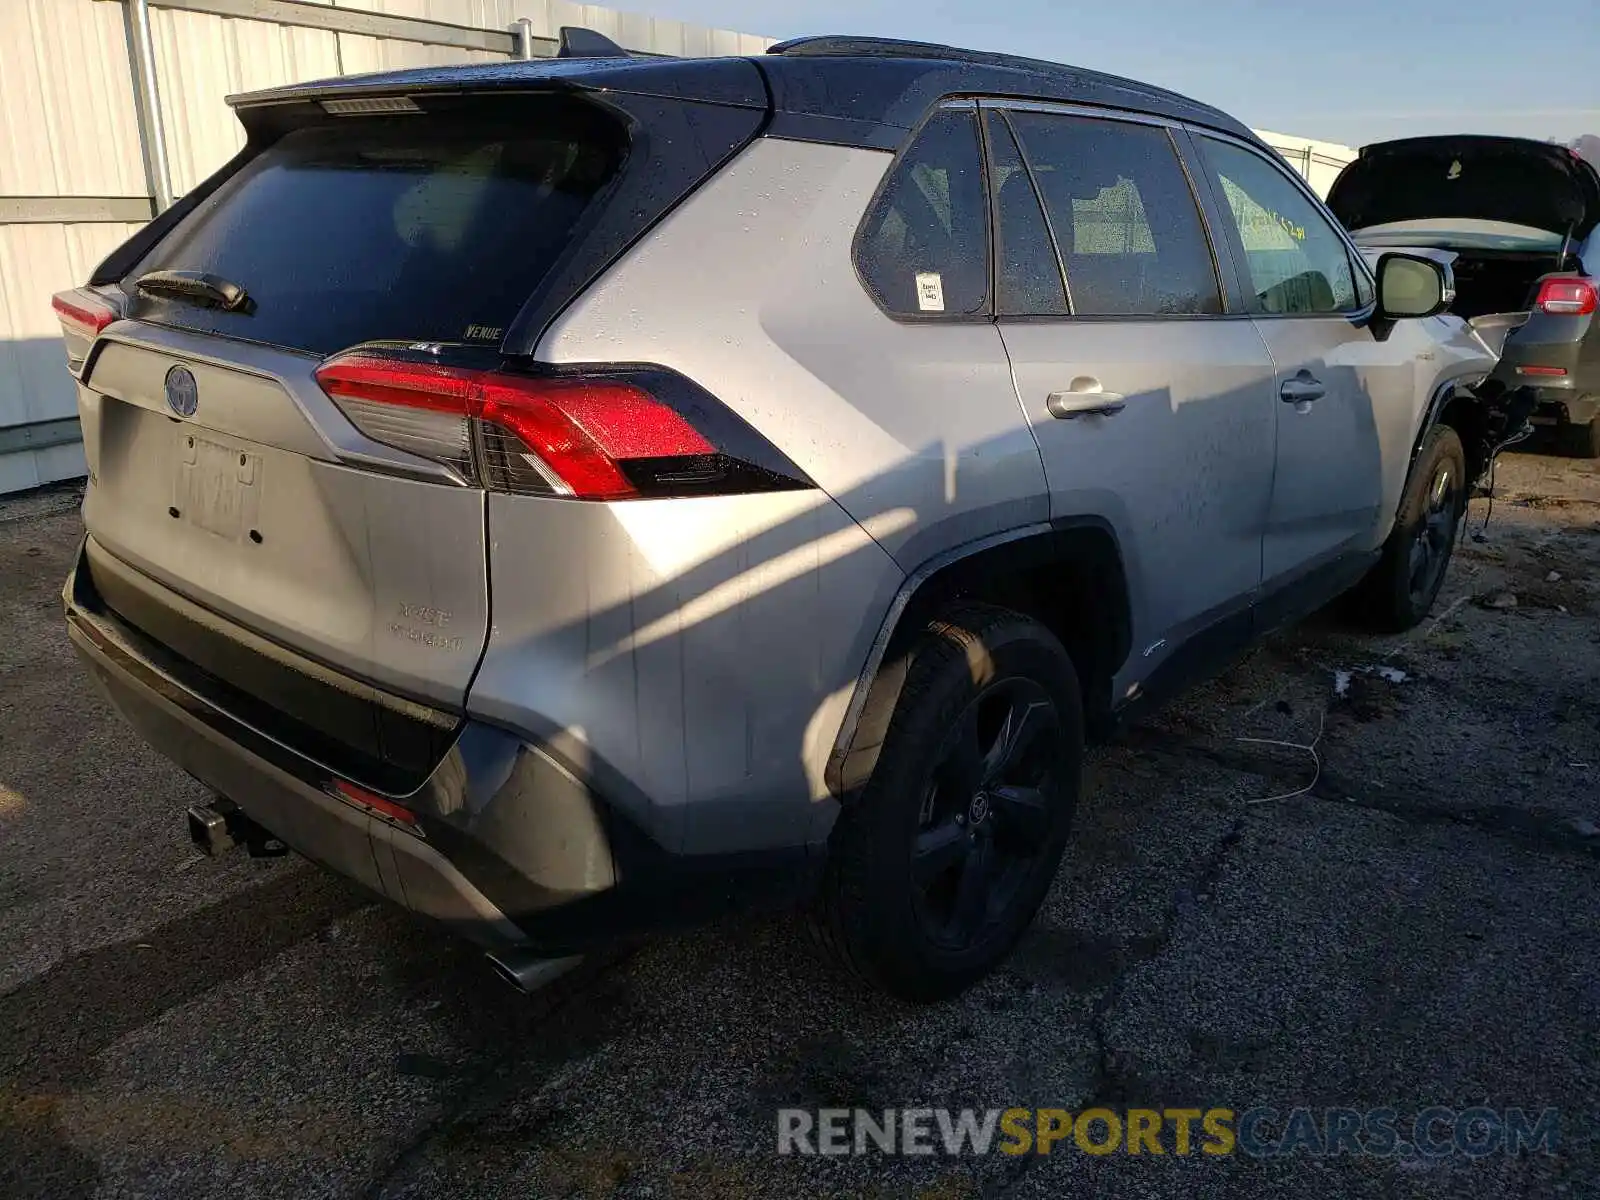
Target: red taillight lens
81	315
1567	297
583	431
423	408
589	437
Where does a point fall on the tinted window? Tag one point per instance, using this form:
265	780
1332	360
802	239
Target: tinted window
1296	262
416	227
1028	277
1123	215
924	248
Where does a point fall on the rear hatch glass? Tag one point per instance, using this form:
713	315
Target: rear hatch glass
429	226
425	226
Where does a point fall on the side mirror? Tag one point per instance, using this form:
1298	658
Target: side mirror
1410	285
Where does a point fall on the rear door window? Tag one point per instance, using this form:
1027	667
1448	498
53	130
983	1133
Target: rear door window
1123	215
415	227
1028	272
1297	263
923	250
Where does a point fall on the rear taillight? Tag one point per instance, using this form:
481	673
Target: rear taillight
604	434
82	315
1566	297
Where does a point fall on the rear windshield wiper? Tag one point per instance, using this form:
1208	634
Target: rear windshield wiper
212	290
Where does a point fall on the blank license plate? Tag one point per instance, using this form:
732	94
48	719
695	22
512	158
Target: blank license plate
216	486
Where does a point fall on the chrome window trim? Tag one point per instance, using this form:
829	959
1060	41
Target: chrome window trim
1068	109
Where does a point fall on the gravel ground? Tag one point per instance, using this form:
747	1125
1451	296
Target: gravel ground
1417	928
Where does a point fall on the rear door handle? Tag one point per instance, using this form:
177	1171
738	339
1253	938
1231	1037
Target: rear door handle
1301	388
1085	398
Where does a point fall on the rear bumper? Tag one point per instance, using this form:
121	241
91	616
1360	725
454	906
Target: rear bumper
501	843
1558	406
1552	343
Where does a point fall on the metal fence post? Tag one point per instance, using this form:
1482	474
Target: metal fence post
147	102
522	34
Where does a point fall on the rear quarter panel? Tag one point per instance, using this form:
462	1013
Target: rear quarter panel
705	652
689	659
751	290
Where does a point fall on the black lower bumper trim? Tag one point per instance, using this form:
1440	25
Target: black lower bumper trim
507	846
354	738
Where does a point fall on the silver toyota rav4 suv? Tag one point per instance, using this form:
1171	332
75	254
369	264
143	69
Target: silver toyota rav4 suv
573	497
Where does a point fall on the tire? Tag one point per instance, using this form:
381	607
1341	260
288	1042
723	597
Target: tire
1402	586
938	867
1581	441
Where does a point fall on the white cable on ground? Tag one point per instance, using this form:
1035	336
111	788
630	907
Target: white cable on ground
1311	750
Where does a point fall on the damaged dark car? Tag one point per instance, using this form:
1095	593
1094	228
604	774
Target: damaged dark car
1520	217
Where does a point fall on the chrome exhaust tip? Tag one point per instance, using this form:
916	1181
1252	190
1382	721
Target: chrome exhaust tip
528	972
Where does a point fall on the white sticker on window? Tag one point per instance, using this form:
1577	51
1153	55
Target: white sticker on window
930	291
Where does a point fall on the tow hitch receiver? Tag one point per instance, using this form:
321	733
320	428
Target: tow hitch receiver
220	826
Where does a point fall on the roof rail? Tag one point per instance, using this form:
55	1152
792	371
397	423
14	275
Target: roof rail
578	42
851	46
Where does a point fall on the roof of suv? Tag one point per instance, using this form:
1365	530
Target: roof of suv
850	89
894	82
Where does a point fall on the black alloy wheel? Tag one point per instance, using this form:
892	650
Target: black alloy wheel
1435	535
986	812
938	865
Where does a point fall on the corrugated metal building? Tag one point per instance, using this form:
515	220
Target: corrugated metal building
89	147
1319	162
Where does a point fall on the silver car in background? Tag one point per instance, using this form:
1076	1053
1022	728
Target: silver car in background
581	496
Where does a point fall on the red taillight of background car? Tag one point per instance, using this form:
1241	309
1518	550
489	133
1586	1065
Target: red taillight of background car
607	435
1567	297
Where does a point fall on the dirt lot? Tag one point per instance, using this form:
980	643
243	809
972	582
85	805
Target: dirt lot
1419	928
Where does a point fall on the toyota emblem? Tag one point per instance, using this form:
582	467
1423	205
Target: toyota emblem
183	393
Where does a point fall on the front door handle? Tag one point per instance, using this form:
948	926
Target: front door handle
1301	388
1085	398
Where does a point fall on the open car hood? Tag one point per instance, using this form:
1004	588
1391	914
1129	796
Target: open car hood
1514	180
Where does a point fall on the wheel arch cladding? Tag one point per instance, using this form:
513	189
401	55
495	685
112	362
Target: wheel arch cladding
1069	577
1466	413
